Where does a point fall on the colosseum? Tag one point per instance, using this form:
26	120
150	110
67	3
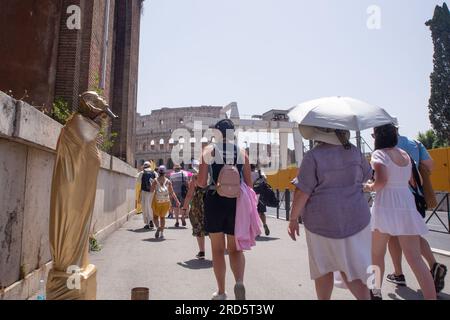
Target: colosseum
154	131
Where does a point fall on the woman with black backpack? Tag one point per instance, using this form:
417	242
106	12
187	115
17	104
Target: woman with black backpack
262	208
228	167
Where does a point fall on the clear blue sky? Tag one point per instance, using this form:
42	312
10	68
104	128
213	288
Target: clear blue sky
267	54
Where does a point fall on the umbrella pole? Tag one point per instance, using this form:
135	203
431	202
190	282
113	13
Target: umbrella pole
358	140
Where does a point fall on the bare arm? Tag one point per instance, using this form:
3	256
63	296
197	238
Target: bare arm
428	164
299	204
247	170
153	187
189	195
172	193
202	179
381	178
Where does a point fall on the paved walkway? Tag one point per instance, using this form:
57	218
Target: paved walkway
277	268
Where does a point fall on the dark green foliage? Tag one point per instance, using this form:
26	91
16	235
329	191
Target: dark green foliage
439	104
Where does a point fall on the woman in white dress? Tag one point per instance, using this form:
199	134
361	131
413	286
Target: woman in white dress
394	211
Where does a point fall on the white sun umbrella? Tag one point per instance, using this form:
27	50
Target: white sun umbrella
340	113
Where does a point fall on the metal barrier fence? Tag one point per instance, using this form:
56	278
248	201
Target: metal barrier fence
443	206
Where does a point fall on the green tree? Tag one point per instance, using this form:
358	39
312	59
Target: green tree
427	139
439	104
60	111
431	140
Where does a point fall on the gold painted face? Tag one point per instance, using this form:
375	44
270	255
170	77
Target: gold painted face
93	105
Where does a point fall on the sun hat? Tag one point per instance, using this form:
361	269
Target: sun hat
322	134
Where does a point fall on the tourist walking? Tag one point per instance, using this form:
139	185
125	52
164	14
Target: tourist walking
394	211
421	158
180	181
145	178
194	204
329	197
162	187
230	163
262	208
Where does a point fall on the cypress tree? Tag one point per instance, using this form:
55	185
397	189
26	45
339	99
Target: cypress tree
439	104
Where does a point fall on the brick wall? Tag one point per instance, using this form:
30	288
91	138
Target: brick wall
49	60
28	45
126	59
67	84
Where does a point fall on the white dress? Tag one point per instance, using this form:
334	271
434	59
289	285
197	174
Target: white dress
394	210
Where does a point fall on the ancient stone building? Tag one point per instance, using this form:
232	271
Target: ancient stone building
57	49
154	131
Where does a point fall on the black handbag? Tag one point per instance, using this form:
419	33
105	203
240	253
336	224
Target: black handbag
417	191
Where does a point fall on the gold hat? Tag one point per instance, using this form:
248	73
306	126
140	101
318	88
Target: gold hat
92	105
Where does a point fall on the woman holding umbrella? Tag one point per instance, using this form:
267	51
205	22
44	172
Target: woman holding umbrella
335	213
329	193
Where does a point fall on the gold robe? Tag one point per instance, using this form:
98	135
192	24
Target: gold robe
73	191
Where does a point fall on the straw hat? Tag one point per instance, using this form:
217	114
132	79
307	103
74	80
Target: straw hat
322	134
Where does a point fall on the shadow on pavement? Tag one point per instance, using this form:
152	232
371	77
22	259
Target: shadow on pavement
443	296
156	240
176	228
409	294
264	238
141	230
196	264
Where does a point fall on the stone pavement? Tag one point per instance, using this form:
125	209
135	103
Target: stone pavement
277	268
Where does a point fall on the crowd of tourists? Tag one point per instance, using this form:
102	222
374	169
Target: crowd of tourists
344	235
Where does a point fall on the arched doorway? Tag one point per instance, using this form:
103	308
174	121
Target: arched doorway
170	164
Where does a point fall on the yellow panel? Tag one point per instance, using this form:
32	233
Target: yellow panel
281	180
440	176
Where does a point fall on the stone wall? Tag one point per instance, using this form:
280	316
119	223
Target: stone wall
27	151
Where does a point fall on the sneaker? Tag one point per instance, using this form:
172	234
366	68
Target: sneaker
157	234
375	294
266	230
146	227
151	225
161	235
177	225
183	223
239	291
439	271
217	296
200	255
398	280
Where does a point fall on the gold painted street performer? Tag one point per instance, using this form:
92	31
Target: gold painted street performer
72	201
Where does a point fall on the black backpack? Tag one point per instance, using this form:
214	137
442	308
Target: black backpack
266	194
147	180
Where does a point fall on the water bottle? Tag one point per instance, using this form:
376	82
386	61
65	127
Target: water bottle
41	293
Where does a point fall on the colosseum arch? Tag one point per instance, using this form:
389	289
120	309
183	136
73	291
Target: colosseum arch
170	164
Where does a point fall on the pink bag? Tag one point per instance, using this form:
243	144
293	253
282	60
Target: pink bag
228	183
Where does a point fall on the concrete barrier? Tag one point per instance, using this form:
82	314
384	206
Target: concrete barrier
27	153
